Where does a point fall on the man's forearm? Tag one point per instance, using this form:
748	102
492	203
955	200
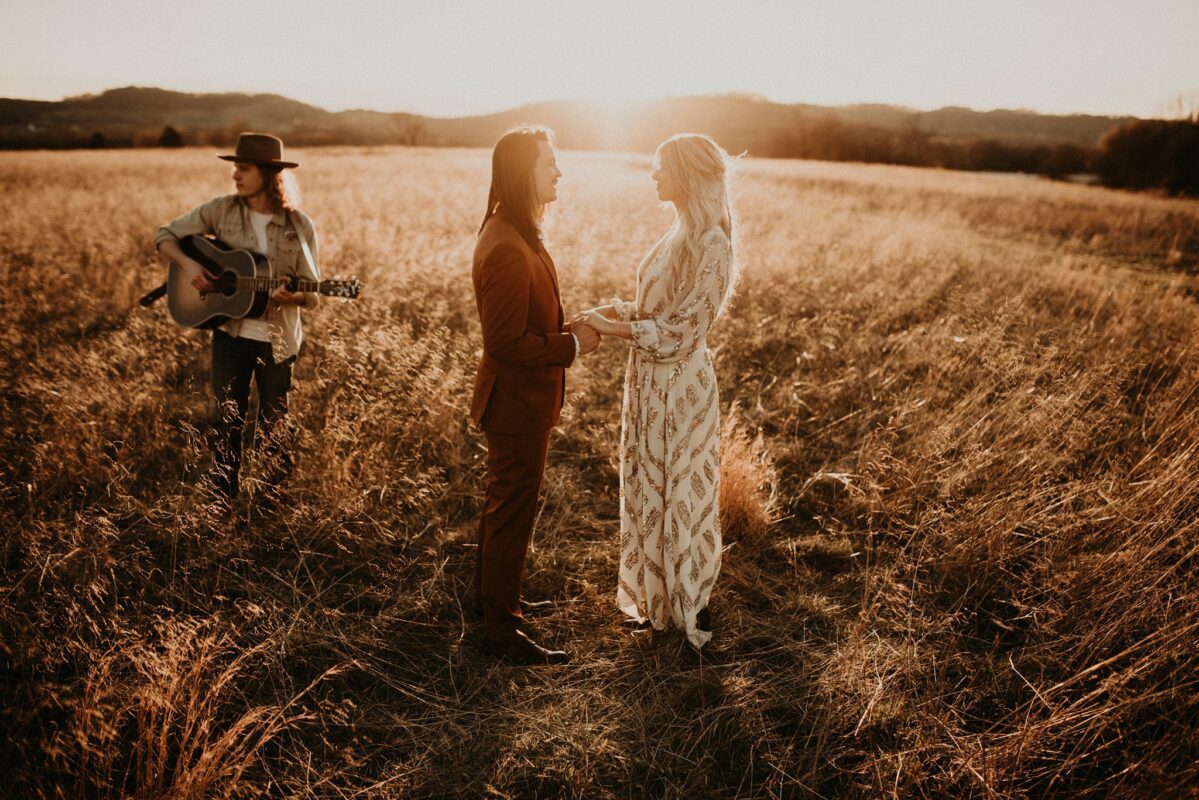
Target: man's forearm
171	249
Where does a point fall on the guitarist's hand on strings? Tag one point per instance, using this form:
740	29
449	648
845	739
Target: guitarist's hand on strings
201	280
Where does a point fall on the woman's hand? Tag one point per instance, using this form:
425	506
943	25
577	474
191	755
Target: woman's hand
596	320
577	319
608	311
602	320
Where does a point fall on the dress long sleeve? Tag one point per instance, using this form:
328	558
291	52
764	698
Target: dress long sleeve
674	333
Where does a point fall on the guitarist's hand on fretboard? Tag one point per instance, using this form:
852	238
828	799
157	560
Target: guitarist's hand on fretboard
282	296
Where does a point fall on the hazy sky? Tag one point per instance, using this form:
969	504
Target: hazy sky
455	58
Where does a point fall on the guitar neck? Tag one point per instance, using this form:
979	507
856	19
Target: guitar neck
270	284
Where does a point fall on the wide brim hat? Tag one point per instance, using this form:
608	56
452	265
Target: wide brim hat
261	149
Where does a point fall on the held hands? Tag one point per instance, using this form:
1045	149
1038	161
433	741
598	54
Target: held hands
594	320
588	338
605	321
592	325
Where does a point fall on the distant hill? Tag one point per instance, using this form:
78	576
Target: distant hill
137	116
745	122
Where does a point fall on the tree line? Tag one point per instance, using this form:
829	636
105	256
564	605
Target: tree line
1145	154
1161	155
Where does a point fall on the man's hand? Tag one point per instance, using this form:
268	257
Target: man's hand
200	278
588	339
197	275
286	298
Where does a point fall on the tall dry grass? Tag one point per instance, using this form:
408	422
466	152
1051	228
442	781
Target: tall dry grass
748	483
971	398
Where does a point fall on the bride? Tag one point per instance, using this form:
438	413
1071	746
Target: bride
670	427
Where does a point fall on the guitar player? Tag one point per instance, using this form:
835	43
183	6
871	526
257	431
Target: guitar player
260	216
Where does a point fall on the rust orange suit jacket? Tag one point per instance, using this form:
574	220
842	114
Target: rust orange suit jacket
521	380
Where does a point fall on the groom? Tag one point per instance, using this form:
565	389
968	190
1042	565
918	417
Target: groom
521	379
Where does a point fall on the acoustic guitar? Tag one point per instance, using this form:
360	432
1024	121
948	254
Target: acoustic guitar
242	285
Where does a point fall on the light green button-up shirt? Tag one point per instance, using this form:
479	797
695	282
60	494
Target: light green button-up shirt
228	219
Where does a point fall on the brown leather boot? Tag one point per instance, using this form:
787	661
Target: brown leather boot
523	651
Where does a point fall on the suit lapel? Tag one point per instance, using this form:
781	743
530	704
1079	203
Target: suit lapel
540	253
542	256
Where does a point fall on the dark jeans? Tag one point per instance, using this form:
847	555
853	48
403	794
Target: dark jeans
234	361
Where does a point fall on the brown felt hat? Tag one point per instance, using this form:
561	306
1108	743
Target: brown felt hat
259	148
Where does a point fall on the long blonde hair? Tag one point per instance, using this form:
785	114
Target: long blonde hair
700	169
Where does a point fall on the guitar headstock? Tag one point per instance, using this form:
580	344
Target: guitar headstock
345	288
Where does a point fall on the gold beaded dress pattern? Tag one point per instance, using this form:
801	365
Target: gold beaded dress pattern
670	440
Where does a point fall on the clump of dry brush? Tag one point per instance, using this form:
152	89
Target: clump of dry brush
748	483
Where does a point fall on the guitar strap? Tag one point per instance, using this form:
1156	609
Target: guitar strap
304	247
154	294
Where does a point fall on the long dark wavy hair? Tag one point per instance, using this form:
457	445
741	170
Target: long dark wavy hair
281	188
512	187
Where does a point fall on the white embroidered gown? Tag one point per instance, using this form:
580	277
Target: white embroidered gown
670	441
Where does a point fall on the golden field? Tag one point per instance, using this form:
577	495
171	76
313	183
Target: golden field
961	495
